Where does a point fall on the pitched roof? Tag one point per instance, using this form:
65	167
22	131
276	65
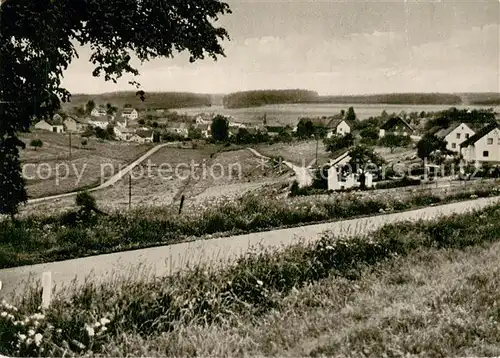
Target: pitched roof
179	125
445	131
480	134
334	123
392	122
127	110
144	133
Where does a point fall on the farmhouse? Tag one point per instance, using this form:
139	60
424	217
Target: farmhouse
397	126
55	125
142	136
455	135
74	125
98	112
337	127
484	146
129	113
123	133
179	128
101	122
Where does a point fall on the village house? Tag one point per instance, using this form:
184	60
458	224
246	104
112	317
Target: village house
130	113
397	126
99	112
122	122
55	125
75	125
142	136
201	121
206	130
455	135
123	133
101	122
178	128
337	127
484	146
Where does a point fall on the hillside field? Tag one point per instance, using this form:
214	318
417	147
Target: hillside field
49	170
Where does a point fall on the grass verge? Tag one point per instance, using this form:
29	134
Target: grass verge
34	240
153	316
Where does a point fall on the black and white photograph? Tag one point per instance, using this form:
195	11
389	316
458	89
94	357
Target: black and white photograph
249	178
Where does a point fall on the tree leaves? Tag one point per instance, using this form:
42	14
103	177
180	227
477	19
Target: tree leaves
36	45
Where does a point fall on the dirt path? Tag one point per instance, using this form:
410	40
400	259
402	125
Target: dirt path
302	174
166	260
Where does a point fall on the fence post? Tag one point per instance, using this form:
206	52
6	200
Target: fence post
46	289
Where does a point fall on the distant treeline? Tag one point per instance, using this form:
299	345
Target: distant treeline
482	99
260	98
164	100
395	98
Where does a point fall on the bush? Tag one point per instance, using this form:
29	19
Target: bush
36	143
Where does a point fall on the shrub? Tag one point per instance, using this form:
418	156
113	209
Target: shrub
36	143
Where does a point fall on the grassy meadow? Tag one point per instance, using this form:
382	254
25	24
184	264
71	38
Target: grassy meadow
84	164
424	288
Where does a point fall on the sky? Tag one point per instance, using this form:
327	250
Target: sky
333	47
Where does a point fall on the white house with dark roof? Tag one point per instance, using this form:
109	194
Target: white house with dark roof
101	122
142	136
337	127
455	135
99	112
130	113
484	146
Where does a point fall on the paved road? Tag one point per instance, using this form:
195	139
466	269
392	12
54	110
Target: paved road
111	181
165	260
302	174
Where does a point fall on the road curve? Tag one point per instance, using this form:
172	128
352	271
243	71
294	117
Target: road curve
111	181
166	260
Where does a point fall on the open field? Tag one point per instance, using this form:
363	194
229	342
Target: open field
301	153
198	173
50	170
425	288
291	113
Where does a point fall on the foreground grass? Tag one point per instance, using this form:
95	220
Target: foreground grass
427	288
43	239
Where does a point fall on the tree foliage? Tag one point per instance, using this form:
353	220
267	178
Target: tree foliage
351	115
220	128
339	142
37	43
429	144
393	141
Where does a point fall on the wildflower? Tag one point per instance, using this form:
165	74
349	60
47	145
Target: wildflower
3	314
260	283
90	330
59	330
38	339
22	337
31	332
104	329
104	321
29	341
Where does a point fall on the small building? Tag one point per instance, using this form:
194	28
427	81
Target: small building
101	122
130	113
99	112
455	135
123	133
142	136
74	125
337	127
55	125
397	126
484	146
178	128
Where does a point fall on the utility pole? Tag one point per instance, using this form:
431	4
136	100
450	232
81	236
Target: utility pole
69	145
129	191
316	150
